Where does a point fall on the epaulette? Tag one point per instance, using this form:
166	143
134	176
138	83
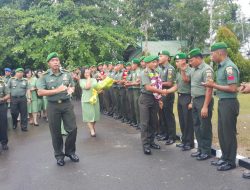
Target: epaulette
46	72
25	79
64	70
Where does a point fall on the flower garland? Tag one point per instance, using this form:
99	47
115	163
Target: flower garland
155	82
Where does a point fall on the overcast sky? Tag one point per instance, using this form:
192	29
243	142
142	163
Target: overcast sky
245	7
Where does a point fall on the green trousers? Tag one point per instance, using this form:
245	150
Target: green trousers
202	126
228	111
58	112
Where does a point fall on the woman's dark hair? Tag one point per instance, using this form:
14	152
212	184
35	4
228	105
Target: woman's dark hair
26	71
83	69
38	71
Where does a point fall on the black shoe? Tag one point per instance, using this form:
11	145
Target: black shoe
226	167
146	150
73	157
169	142
181	145
60	162
36	124
203	157
155	146
246	175
5	147
186	148
196	154
217	162
24	129
14	126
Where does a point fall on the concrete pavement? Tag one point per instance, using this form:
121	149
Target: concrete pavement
111	161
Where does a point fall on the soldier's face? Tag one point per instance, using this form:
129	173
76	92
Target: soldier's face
128	68
134	66
153	64
7	73
163	59
54	63
143	64
195	61
19	74
215	56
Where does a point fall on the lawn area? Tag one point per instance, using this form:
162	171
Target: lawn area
243	124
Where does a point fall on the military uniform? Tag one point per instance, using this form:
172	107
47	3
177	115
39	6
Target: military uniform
60	109
148	106
18	89
136	93
4	90
202	126
228	111
185	114
167	118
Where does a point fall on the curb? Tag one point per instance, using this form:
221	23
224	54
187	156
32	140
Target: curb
240	160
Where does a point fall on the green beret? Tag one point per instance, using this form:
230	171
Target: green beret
218	45
120	62
141	58
51	56
19	70
194	52
99	64
180	55
136	61
164	52
150	58
128	64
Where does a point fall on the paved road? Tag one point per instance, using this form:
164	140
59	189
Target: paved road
111	161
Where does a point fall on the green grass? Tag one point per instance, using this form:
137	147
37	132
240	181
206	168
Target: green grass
243	124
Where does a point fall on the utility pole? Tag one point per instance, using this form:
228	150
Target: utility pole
211	4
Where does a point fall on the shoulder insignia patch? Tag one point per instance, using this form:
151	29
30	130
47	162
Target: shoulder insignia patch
229	70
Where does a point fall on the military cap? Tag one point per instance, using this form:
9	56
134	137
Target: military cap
219	45
141	58
99	64
120	62
180	55
19	70
194	52
135	61
150	58
128	64
7	69
164	52
51	56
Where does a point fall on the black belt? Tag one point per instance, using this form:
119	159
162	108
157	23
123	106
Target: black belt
18	96
203	96
59	101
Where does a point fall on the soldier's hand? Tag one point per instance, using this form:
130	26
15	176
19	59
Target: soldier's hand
164	92
204	112
61	88
190	106
210	83
70	90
